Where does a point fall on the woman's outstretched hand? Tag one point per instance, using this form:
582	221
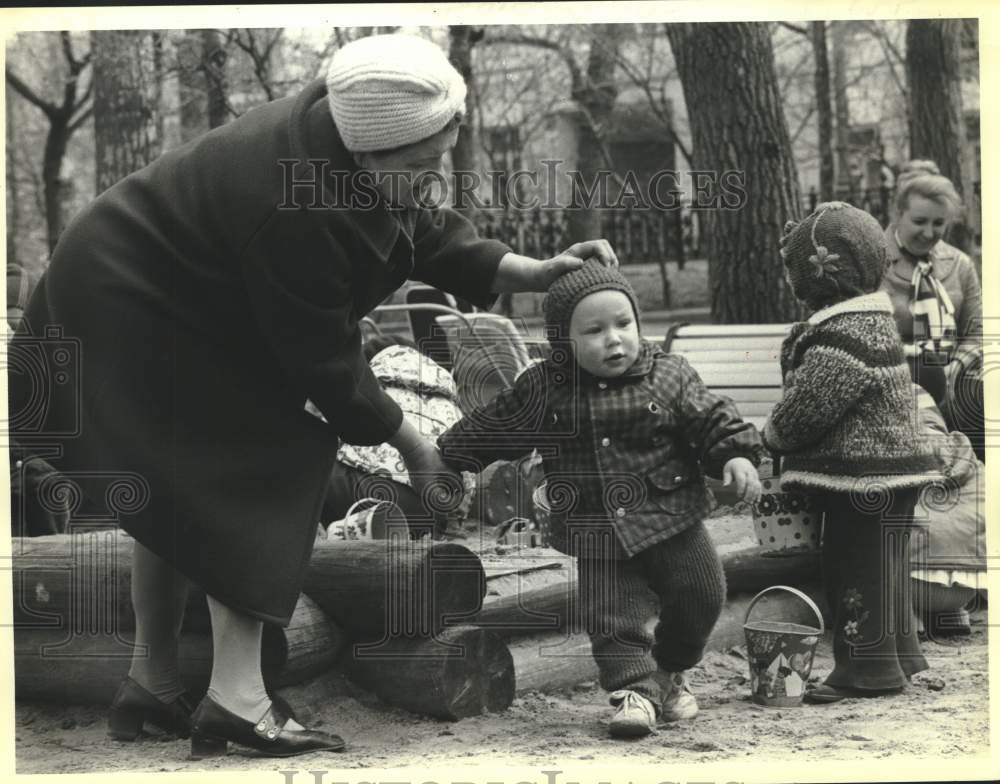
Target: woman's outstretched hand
522	273
573	257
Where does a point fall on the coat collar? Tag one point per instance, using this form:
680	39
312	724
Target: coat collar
942	257
313	135
876	302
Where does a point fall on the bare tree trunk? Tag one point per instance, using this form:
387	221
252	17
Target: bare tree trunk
739	131
191	81
124	114
937	123
845	181
201	59
64	119
465	156
156	39
595	98
13	194
213	61
55	150
824	113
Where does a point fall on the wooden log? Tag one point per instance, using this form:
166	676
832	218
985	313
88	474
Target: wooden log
553	661
83	581
307	647
752	570
62	665
54	666
526	608
464	671
395	587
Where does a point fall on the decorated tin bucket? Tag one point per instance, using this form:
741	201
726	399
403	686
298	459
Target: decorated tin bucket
780	654
362	523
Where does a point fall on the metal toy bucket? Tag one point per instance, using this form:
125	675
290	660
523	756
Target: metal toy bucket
780	654
366	524
543	512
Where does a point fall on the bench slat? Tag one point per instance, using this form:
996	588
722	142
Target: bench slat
739	331
736	376
737	357
682	344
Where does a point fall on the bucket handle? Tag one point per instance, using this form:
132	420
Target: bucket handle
795	592
376	502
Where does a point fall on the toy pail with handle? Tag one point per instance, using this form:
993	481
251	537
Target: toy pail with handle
780	654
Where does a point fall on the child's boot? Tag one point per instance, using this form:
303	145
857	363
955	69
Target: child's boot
679	702
635	717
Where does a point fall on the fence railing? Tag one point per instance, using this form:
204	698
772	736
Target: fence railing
636	235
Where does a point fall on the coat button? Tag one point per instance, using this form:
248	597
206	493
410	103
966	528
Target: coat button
678	479
619	512
18	464
602	385
605	442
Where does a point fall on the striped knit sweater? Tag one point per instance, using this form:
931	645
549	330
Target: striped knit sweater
847	420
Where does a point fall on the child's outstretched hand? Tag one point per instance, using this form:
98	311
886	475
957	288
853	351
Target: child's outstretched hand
742	471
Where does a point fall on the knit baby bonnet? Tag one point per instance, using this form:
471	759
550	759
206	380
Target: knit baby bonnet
387	91
567	290
836	253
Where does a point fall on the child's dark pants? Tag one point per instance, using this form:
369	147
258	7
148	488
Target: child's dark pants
682	579
866	572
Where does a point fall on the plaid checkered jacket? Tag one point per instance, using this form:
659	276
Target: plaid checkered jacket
623	457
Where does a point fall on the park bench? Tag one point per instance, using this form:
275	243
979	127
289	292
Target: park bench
739	361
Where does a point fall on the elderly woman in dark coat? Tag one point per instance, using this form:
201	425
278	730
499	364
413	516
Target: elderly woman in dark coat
210	295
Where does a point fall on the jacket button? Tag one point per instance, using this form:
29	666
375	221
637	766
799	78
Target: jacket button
605	442
678	479
602	385
619	512
18	464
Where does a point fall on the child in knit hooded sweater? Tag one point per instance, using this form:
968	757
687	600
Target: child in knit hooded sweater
625	432
846	428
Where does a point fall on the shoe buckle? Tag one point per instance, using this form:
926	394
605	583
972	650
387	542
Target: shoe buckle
266	729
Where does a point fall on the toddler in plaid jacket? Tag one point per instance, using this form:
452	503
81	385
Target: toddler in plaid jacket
625	432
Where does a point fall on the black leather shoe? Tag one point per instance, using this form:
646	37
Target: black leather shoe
133	706
213	728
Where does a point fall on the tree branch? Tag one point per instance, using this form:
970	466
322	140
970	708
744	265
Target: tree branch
890	51
30	95
794	28
542	43
81	119
658	109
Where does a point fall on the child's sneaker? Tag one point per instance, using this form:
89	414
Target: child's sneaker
680	702
635	716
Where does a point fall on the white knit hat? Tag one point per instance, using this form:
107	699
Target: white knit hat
387	91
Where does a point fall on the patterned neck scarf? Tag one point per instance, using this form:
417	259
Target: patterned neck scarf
934	327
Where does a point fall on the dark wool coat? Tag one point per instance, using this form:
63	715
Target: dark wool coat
207	300
623	457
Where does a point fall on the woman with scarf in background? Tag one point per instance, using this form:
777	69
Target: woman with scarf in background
937	297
